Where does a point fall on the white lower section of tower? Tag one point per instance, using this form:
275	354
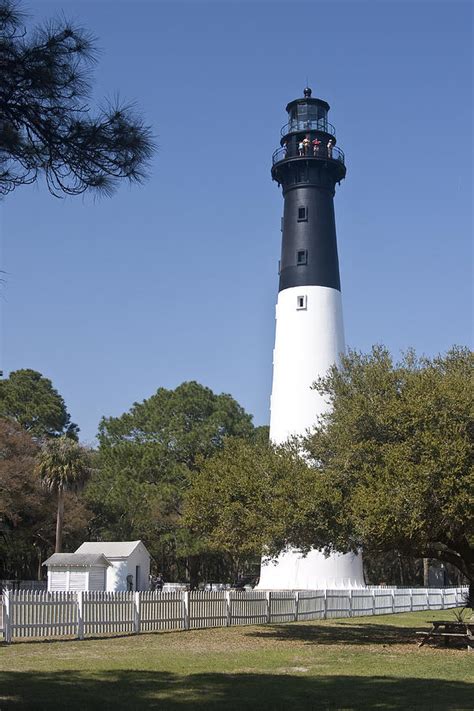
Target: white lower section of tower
309	338
291	571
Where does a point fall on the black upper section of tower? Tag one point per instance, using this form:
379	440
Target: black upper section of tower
307	166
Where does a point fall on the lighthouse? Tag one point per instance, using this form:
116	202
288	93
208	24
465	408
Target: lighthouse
309	334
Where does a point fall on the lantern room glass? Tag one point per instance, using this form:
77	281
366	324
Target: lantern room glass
307	116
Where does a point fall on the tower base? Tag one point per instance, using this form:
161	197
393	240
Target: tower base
293	571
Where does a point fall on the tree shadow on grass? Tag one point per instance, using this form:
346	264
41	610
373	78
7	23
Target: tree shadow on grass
300	632
128	689
358	634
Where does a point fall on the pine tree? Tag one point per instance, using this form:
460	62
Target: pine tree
46	124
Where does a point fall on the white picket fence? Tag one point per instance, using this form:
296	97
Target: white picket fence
28	614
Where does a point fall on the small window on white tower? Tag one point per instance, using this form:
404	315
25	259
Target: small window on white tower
301	303
302	214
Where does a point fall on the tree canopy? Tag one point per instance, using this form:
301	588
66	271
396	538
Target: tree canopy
27	397
147	458
397	446
242	499
27	509
388	468
46	124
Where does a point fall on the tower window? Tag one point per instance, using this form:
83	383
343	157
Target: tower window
302	214
302	256
301	303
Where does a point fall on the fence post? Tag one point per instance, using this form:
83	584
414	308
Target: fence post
411	599
427	593
442	599
268	596
373	602
228	615
136	612
393	600
350	602
80	614
186	609
325	609
297	604
7	621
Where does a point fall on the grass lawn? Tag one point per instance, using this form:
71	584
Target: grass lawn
361	663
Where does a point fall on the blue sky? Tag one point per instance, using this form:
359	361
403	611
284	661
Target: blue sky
177	280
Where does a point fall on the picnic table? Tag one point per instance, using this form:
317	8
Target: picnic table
449	629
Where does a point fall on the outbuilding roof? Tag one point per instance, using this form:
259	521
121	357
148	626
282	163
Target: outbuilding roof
81	560
111	549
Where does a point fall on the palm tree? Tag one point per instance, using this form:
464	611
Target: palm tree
63	465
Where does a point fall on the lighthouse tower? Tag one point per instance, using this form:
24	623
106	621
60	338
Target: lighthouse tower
309	326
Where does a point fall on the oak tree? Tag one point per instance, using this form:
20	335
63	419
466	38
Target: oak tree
389	469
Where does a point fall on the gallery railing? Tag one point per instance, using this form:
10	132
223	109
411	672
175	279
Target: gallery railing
319	153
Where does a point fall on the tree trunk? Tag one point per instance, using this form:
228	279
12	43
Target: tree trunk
400	567
426	572
470	595
40	560
59	521
193	563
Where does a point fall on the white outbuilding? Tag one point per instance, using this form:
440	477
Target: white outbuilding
76	571
129	561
